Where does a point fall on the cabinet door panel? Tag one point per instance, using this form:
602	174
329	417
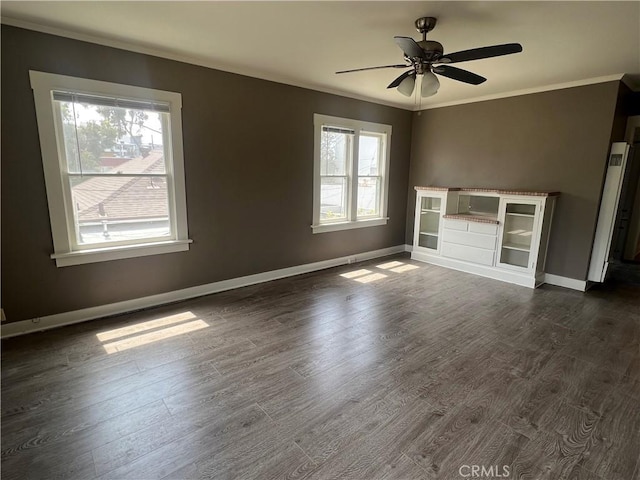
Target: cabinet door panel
428	222
519	234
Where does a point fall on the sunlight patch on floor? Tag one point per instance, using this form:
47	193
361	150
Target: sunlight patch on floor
388	265
356	273
144	326
157	335
370	278
367	276
404	268
143	333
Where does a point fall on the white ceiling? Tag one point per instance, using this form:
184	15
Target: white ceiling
304	43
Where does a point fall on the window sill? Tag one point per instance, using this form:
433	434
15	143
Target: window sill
117	253
334	227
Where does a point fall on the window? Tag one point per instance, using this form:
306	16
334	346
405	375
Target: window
351	163
112	158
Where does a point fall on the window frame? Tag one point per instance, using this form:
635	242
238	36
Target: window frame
353	220
66	251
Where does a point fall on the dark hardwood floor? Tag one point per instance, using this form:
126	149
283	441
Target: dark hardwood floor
384	369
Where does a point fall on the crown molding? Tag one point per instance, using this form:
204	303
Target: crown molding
528	91
632	81
208	63
193	60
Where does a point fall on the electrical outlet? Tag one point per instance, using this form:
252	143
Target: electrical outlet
3	317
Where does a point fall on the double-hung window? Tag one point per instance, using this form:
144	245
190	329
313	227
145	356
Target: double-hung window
113	164
351	165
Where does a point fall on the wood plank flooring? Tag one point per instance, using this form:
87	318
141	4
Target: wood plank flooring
388	369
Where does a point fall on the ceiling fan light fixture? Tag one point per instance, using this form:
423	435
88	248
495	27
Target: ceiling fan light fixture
407	85
430	85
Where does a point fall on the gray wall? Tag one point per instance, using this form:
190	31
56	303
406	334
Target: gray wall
248	147
556	140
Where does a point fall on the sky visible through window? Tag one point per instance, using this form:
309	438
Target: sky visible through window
150	133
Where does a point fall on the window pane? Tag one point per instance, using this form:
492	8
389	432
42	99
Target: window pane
101	139
335	153
115	209
369	154
368	196
333	198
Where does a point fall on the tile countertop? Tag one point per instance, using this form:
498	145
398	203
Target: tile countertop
492	190
468	217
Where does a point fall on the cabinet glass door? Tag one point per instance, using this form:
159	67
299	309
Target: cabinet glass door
429	222
518	233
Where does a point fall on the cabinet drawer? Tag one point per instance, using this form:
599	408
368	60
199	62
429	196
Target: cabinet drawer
486	228
456	224
470	239
469	254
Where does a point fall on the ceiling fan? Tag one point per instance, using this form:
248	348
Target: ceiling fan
426	58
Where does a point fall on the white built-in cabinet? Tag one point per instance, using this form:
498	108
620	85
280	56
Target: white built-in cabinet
494	233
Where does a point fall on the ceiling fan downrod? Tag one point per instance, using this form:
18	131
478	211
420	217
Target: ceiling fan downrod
432	50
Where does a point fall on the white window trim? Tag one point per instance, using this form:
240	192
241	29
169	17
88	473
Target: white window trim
353	221
64	254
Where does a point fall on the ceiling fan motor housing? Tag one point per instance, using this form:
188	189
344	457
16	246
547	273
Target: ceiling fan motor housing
432	50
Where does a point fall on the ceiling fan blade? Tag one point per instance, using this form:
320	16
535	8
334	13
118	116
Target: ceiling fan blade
479	53
399	80
409	47
459	74
374	68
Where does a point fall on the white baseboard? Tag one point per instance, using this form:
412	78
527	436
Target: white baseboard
91	313
476	269
408	248
505	276
566	282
